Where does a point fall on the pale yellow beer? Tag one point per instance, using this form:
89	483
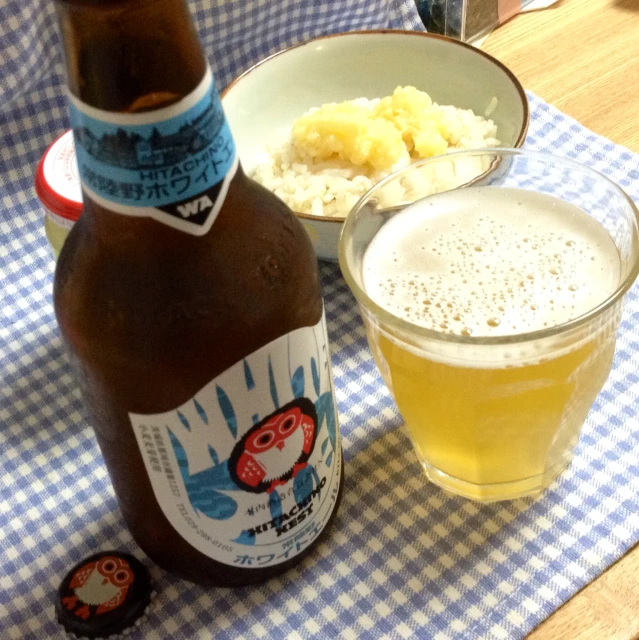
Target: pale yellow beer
487	427
493	420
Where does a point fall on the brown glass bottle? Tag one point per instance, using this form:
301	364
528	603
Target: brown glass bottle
151	314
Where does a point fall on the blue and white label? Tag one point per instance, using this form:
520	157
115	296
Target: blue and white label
248	471
172	164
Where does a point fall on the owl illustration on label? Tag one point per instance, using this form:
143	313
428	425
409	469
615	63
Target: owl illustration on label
99	586
276	449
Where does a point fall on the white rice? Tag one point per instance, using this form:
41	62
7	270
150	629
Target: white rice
333	187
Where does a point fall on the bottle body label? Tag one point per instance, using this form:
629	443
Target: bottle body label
172	164
248	471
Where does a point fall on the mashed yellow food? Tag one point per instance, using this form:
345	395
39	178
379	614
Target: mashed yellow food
406	122
334	154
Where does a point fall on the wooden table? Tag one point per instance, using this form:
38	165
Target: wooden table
583	57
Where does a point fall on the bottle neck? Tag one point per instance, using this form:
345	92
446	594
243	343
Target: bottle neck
120	234
152	142
130	55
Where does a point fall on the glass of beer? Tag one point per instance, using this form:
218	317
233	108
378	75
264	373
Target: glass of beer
491	285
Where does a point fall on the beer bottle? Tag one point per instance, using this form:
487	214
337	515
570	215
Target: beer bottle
189	301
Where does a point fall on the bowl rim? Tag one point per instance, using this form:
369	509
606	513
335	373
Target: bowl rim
402	32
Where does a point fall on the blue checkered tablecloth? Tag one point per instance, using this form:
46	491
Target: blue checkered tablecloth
404	560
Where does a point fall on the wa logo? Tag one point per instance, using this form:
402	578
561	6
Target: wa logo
196	206
196	210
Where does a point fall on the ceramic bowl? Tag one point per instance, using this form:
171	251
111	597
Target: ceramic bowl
262	104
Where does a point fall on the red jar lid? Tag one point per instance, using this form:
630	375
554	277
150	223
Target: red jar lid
57	180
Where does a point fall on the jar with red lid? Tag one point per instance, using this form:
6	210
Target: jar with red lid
57	184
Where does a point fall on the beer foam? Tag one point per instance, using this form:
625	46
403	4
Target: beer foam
491	261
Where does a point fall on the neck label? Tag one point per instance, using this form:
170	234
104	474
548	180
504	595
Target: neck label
173	164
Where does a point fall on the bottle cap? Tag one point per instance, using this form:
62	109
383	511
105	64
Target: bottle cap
104	596
57	180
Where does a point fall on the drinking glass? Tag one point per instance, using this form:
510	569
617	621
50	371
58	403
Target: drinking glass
494	417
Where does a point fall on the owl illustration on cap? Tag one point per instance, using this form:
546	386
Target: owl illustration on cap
102	584
276	449
104	595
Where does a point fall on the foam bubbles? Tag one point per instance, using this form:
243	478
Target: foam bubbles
491	261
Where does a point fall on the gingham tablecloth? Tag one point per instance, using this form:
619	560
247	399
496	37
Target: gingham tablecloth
404	560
